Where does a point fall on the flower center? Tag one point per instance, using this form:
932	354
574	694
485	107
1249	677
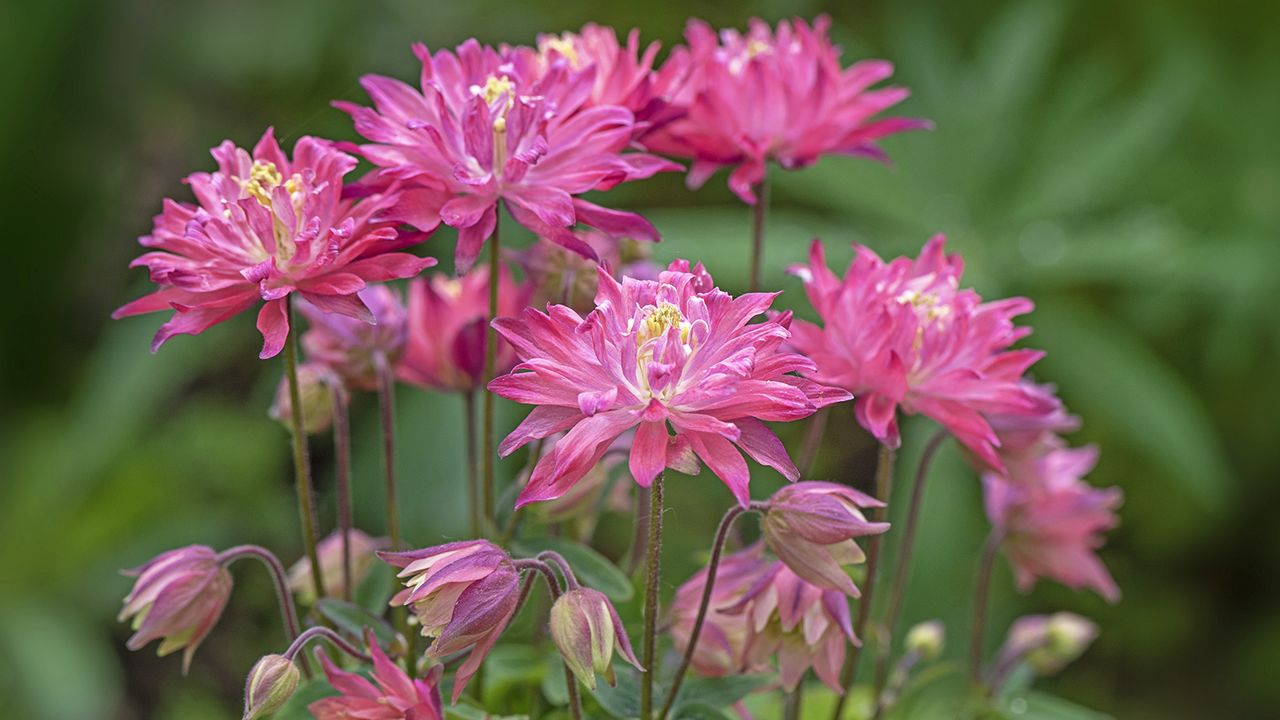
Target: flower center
658	320
499	93
564	46
927	305
264	178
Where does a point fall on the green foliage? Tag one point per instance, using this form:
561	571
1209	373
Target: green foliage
593	569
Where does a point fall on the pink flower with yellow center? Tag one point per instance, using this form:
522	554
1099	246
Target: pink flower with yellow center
771	95
675	353
266	226
392	695
904	336
1051	521
486	126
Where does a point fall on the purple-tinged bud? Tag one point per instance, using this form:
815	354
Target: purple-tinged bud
271	683
463	594
1048	643
927	639
361	548
586	628
811	525
315	388
177	599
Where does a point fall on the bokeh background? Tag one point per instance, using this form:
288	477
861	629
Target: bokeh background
1117	162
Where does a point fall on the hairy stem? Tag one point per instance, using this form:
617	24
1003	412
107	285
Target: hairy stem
342	461
301	459
981	594
387	409
758	214
791	703
555	589
334	639
469	434
813	435
653	552
490	362
279	580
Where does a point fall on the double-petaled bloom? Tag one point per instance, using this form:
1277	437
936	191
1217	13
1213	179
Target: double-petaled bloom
392	695
358	351
177	599
675	352
266	226
722	643
1051	521
811	527
446	329
771	95
489	125
586	629
463	593
904	336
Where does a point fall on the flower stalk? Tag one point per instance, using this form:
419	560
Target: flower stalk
387	410
279	580
324	633
490	362
981	602
759	213
469	439
301	459
342	462
653	552
554	587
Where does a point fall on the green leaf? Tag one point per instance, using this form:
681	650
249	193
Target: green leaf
623	699
308	692
511	666
554	687
471	712
701	711
592	568
1042	706
374	592
718	691
353	619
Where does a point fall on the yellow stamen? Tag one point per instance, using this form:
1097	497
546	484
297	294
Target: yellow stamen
660	319
564	46
263	178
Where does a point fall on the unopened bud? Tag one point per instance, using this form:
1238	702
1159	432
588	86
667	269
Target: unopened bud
586	629
1066	637
271	683
927	639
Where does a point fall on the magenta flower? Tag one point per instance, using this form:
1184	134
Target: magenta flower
676	350
177	599
463	593
904	335
811	525
486	126
267	226
801	624
722	644
392	695
354	349
771	95
446	336
1052	522
586	629
361	548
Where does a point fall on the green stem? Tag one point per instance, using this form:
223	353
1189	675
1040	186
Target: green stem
816	429
490	362
981	594
387	409
279	580
473	490
555	589
791	703
653	576
342	462
884	485
758	213
301	460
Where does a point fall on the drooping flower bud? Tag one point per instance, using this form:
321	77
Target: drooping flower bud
315	388
361	549
811	526
271	683
177	599
586	628
1048	643
926	639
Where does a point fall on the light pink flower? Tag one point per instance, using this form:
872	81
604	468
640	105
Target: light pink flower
722	644
264	227
463	593
801	624
354	349
177	599
771	95
360	548
1026	437
486	126
392	695
447	333
676	350
1052	521
811	525
904	335
584	502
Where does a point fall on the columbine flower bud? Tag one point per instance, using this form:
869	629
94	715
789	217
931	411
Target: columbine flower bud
315	388
926	639
271	683
177	599
586	629
361	548
1049	643
811	526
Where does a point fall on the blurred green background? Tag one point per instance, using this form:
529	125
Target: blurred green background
1117	162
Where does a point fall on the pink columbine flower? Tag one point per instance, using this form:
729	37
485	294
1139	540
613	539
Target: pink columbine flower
904	335
801	624
266	226
771	95
356	350
674	350
584	502
447	333
486	127
361	549
1025	437
177	599
463	593
586	629
811	525
392	695
722	644
1052	522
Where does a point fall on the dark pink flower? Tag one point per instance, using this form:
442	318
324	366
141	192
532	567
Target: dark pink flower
722	644
177	599
811	525
904	335
447	332
463	593
264	227
485	125
771	95
673	351
392	695
354	349
1052	521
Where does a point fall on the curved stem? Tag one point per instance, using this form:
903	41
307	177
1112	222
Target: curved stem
884	485
279	580
570	580
903	571
387	409
301	459
469	434
342	462
981	593
813	442
717	550
334	639
555	589
490	362
653	552
758	213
